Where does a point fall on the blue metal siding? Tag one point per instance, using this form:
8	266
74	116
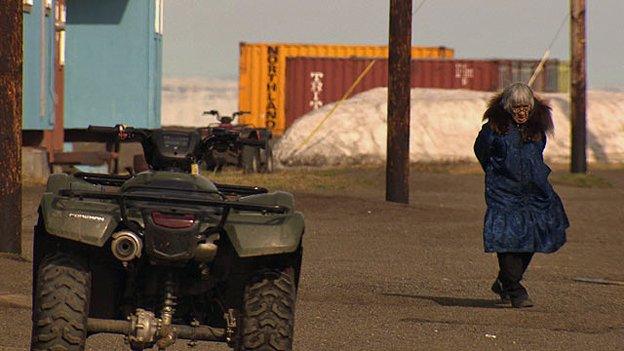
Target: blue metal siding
156	89
155	61
110	77
33	116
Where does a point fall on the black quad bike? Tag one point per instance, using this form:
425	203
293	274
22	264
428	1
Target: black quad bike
164	254
240	145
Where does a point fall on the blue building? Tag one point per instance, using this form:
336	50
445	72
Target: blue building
113	64
90	62
38	70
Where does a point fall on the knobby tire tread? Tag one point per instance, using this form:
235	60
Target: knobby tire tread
61	304
268	312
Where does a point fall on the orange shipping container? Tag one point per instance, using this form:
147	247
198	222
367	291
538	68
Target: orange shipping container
262	75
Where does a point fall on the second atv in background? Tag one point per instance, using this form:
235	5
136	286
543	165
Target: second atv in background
239	145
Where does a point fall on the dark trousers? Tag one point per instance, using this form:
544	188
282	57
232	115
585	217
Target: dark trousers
512	266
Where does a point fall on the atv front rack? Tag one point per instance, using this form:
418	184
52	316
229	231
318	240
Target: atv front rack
119	180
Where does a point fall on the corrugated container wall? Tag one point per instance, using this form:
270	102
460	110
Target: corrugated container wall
564	77
262	75
314	82
113	63
521	71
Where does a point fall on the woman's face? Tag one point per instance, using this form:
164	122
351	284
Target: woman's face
520	113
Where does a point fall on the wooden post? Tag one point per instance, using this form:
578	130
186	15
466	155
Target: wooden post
399	61
578	88
11	126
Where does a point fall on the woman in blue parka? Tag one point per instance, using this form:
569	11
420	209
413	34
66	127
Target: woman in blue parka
524	214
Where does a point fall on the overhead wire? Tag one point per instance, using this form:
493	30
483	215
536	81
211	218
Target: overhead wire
419	6
563	22
546	55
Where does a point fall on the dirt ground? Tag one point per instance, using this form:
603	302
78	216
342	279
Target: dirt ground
384	276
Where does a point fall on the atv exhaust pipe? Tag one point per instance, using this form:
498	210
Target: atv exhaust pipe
126	246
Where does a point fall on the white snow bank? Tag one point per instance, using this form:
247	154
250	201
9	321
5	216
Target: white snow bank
444	124
185	99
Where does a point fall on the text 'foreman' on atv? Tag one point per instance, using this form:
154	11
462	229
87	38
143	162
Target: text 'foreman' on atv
239	145
165	254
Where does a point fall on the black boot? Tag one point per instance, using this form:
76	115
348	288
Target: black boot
512	267
522	302
497	288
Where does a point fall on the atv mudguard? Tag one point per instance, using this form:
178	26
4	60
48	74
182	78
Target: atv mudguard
91	222
255	234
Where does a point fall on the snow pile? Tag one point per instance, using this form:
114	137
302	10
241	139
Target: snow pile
184	100
444	124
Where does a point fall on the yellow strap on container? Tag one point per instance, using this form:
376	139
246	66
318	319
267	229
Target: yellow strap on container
344	97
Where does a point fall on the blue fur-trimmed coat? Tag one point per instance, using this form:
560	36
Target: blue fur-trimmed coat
524	214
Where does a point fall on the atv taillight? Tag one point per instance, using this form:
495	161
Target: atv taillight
173	221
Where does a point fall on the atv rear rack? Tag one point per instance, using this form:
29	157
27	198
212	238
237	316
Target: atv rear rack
122	198
164	201
119	180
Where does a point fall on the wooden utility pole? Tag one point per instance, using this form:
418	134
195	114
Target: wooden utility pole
10	126
399	72
578	88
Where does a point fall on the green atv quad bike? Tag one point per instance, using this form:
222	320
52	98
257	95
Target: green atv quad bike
163	255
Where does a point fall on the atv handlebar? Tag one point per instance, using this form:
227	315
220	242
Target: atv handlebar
219	116
240	113
212	112
121	131
252	142
103	129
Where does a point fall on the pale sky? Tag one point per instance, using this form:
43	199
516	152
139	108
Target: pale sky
201	36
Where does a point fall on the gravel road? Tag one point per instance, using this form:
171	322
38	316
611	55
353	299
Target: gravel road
382	276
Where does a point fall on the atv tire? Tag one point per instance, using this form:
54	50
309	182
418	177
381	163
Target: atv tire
250	159
61	304
267	162
268	312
